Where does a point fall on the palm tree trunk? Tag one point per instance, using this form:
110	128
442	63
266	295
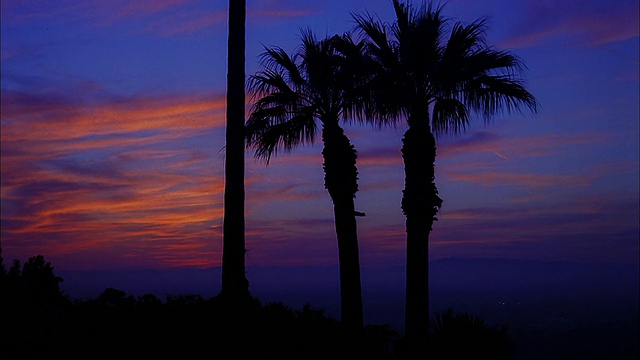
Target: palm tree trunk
341	180
420	203
235	286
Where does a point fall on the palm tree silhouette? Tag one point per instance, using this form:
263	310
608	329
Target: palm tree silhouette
433	75
294	96
235	286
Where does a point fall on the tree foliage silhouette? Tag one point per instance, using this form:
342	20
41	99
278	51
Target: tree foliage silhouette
294	96
32	287
433	74
465	336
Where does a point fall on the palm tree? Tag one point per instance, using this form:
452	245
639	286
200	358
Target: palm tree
294	96
235	286
433	75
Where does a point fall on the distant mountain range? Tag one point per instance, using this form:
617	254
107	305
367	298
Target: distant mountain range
446	275
465	284
586	309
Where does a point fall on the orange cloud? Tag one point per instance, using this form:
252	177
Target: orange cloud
26	117
112	177
380	157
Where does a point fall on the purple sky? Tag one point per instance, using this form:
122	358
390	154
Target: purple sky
113	140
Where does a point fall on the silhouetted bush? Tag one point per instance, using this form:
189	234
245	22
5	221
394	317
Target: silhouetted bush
32	289
148	301
116	300
117	325
32	309
465	336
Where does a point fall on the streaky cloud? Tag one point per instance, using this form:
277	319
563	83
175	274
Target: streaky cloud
594	22
114	177
502	179
45	116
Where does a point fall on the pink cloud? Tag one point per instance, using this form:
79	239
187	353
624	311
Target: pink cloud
540	230
597	23
380	157
501	179
112	177
136	8
16	12
187	23
28	117
158	17
280	13
514	147
162	214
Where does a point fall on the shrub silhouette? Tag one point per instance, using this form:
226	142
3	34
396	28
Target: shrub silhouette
34	288
118	325
465	336
148	301
115	299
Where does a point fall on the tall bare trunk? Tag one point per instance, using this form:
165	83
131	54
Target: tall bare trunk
234	282
420	203
341	180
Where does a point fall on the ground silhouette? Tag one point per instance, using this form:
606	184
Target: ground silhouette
39	321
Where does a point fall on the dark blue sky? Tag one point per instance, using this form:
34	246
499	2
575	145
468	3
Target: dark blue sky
113	140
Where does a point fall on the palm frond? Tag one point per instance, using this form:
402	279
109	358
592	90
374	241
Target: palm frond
266	137
465	39
266	82
494	94
403	15
379	44
323	80
276	59
449	116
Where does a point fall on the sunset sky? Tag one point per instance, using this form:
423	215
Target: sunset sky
113	120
